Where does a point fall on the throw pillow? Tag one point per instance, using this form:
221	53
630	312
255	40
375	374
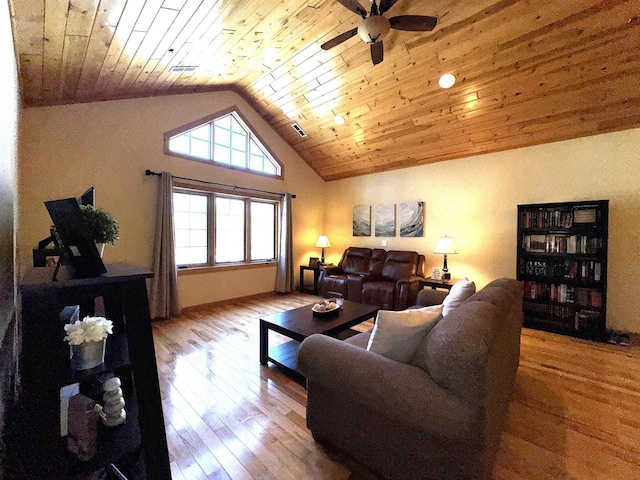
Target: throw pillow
460	291
397	335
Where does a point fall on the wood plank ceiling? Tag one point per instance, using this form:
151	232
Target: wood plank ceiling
529	72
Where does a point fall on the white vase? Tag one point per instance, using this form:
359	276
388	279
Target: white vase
88	354
100	247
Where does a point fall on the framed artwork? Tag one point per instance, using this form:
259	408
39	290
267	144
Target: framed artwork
385	221
411	219
362	221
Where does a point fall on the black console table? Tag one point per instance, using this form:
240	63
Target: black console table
139	445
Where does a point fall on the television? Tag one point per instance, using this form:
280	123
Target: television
78	244
88	197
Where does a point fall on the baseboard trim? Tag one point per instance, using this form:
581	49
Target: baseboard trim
204	306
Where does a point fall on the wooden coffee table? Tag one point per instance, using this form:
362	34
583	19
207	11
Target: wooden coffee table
300	323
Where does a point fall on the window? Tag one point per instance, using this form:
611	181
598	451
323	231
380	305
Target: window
224	139
216	228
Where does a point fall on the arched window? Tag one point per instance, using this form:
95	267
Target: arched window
225	139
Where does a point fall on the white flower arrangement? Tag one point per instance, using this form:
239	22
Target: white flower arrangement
89	329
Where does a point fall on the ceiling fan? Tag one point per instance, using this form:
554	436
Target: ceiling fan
375	26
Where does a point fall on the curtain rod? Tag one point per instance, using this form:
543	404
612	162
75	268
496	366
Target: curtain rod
149	172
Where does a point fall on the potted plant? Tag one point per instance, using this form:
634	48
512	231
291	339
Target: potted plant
87	340
103	226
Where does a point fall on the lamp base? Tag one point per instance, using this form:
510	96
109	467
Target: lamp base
446	276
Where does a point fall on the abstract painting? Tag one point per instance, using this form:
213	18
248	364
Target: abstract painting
411	219
385	221
362	221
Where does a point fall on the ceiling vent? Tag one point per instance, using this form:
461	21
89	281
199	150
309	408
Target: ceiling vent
299	129
180	69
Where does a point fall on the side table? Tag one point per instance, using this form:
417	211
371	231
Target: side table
316	275
434	284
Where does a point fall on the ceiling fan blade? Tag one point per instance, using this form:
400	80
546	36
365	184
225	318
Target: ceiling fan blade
339	39
415	23
377	52
354	6
385	5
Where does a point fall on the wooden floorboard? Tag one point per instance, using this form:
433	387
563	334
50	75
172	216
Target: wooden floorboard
573	413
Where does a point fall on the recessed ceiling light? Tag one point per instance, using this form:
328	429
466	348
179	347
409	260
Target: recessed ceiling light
447	80
339	119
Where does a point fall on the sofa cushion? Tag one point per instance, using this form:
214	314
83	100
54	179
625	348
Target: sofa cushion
460	291
400	264
356	260
376	263
396	335
379	293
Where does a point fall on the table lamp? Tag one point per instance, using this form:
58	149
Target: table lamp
445	246
323	242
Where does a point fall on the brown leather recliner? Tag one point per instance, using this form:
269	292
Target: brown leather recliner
396	287
374	276
334	280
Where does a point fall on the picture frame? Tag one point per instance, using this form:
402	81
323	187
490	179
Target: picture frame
411	219
362	221
314	261
385	220
436	274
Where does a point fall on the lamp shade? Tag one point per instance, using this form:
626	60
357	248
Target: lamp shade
323	242
445	245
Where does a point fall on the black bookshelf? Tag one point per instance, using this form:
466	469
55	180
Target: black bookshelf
138	447
562	263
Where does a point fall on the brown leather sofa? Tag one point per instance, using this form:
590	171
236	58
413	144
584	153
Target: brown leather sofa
374	276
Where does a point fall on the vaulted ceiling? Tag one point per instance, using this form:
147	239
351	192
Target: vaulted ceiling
529	72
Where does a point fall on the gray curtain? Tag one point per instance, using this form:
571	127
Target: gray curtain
284	274
163	294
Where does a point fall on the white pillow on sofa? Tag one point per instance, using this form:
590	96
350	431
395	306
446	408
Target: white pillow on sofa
460	291
397	335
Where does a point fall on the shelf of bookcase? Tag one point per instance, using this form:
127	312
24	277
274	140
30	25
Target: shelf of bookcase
119	445
573	282
562	254
45	369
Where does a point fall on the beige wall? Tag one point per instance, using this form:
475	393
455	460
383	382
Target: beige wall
475	200
65	149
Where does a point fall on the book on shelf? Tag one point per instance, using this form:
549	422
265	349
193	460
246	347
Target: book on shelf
562	293
545	218
553	243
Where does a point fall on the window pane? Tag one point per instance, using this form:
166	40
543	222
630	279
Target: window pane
256	162
238	158
269	167
238	141
202	132
222	136
200	149
224	122
190	228
263	225
260	161
222	154
195	143
179	144
230	230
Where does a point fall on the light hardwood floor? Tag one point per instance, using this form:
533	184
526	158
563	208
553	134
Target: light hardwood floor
573	414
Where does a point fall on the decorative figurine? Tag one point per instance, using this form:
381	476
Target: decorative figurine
113	412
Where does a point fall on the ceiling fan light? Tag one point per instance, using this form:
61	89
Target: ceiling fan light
374	29
339	120
447	80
